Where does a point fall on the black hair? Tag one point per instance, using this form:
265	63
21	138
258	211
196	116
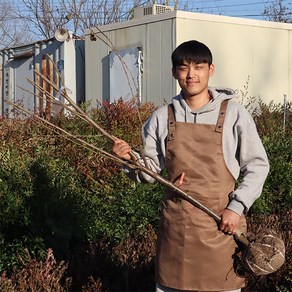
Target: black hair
192	52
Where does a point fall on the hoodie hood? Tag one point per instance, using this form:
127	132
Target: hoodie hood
183	112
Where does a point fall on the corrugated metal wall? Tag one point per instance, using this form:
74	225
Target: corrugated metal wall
20	63
153	39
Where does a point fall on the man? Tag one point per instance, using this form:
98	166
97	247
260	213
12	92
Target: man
204	140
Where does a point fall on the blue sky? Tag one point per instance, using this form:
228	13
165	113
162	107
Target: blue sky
237	8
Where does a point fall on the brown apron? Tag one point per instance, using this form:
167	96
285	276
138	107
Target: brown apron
192	254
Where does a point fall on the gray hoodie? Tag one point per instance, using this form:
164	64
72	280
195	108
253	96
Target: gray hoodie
242	148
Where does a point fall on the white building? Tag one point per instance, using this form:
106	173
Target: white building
244	50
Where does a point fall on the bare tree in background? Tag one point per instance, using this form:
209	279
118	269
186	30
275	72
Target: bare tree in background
23	21
40	18
12	33
45	16
278	11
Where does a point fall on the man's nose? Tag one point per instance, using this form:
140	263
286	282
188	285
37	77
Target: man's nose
192	72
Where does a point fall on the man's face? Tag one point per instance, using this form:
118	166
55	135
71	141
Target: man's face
193	78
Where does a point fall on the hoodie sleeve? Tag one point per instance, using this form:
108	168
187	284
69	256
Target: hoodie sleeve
154	133
252	161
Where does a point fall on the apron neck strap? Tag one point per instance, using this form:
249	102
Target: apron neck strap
219	124
171	122
221	117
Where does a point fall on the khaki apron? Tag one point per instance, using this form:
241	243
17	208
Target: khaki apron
192	254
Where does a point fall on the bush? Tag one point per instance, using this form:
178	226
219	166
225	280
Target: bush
56	194
37	276
277	192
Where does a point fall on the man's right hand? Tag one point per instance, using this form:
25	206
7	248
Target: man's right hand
122	149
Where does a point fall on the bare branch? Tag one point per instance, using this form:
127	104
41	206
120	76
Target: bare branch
278	11
12	32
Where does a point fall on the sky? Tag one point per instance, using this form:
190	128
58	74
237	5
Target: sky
236	8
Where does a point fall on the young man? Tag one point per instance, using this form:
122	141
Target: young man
204	140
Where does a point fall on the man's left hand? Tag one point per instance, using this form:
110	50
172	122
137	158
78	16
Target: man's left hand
229	221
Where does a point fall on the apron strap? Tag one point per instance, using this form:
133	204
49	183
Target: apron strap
171	122
221	117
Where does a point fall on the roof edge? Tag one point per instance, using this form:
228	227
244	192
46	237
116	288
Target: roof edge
189	15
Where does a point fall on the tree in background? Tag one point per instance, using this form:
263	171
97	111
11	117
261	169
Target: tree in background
47	15
12	33
279	11
43	17
24	21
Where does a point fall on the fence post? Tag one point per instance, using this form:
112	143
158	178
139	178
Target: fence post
284	111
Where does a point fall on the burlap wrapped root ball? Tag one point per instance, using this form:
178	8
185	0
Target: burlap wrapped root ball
264	255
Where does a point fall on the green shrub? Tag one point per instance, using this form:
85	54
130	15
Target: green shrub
56	194
277	192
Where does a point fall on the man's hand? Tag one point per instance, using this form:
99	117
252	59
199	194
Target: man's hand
122	149
229	221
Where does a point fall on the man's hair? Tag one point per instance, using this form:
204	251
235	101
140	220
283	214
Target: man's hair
192	52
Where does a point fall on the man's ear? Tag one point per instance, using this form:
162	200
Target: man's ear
211	70
174	73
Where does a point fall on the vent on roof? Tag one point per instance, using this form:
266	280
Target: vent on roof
151	10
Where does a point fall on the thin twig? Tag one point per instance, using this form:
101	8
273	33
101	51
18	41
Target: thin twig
80	113
67	134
